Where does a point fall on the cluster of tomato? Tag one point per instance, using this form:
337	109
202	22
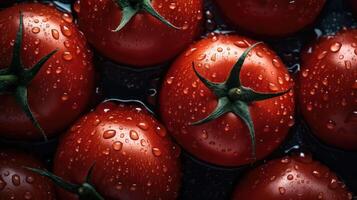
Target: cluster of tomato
226	99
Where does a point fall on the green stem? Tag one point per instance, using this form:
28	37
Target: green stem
9	78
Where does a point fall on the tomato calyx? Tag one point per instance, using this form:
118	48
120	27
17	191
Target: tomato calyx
131	7
85	191
234	97
17	77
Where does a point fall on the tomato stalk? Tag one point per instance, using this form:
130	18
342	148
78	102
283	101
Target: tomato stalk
131	7
85	191
16	78
234	97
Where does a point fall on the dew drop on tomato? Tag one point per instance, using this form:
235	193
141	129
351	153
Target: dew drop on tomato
109	134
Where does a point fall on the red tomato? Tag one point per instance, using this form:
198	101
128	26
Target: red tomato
63	86
327	89
271	17
226	141
133	156
19	183
144	40
294	178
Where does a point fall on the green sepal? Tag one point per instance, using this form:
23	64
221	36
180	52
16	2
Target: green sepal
70	187
241	109
15	79
131	7
233	79
127	13
250	95
234	97
85	191
223	107
219	89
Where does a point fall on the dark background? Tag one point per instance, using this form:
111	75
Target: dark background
202	181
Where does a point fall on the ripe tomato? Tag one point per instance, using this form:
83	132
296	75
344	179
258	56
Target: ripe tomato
19	183
226	141
132	155
270	17
327	89
62	88
296	177
144	40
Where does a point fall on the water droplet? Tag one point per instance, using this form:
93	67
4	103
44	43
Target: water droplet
109	134
335	47
276	63
30	179
305	73
117	146
170	80
65	97
282	190
67	17
156	152
316	174
66	31
333	184
28	195
35	30
241	44
77	6
331	124
172	6
322	55
285	160
67	56
348	64
290	177
55	34
144	126
16	180
133	135
273	87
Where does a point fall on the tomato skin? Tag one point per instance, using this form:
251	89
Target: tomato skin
126	166
327	89
63	87
19	183
274	18
295	178
145	41
226	140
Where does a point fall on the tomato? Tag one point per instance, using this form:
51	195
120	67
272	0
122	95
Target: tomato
295	177
144	40
327	89
132	155
18	183
62	88
227	140
271	17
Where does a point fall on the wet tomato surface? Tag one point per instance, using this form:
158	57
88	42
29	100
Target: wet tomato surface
327	89
132	155
62	88
225	141
293	177
16	182
272	17
144	41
